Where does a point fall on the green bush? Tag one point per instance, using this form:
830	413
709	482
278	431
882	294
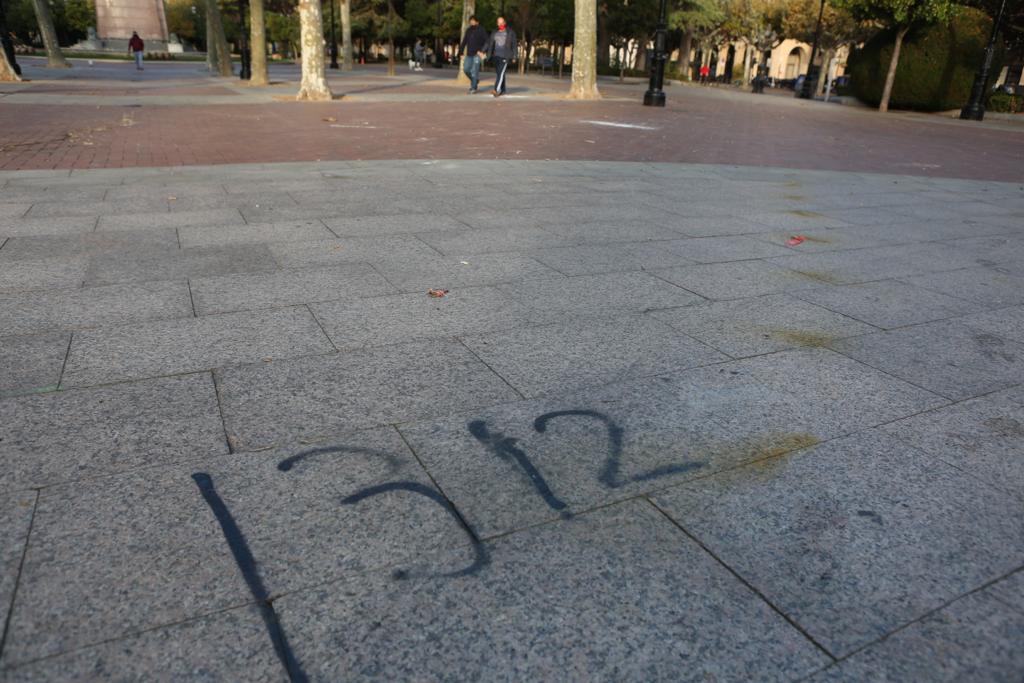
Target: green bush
1005	102
936	68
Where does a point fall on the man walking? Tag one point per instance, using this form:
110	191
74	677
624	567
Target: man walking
501	46
472	50
136	47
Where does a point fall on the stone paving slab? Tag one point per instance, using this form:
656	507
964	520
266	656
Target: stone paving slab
878	263
316	397
469	243
53	310
985	287
252	291
832	517
119	207
240	235
738	279
552	360
394	249
118	354
53	273
561	591
947	358
228	645
177	264
31	364
29	227
379	321
419	275
969	640
984	437
749	327
85	244
384	225
596	295
13	210
594	259
1007	323
180	219
71	434
888	303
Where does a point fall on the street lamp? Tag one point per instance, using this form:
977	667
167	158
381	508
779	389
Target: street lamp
807	91
245	66
974	110
655	96
334	41
5	41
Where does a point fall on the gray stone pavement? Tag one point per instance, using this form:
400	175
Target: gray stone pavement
642	437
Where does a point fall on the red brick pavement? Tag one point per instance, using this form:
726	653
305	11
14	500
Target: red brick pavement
697	127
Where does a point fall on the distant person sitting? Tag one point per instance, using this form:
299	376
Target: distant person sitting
136	47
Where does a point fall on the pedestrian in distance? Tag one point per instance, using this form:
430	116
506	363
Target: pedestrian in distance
501	48
419	53
705	71
136	47
472	49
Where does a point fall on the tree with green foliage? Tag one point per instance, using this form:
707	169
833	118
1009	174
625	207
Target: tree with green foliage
898	16
692	17
838	28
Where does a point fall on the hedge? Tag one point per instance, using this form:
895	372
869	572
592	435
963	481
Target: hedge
936	68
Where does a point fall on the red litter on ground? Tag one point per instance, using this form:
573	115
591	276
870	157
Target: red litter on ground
795	240
437	293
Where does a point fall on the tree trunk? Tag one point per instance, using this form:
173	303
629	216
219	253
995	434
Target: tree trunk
54	57
823	72
748	63
584	52
468	9
391	39
258	38
604	43
684	54
347	61
314	80
7	73
218	54
561	58
890	77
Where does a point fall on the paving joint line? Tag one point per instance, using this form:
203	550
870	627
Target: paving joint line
17	579
792	622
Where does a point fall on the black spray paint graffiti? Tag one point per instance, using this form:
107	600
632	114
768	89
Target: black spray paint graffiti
247	565
497	443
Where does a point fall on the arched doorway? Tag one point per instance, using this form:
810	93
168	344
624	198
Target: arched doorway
793	63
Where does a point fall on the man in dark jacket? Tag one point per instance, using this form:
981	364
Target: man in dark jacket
501	46
136	48
472	49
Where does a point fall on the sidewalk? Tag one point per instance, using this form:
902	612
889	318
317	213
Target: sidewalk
641	437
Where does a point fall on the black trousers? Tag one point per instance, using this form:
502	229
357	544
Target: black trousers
500	68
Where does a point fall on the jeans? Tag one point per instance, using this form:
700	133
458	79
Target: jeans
138	60
471	67
500	67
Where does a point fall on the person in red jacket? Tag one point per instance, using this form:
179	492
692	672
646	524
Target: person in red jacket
136	47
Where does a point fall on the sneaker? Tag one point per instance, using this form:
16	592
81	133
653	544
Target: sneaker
494	93
472	91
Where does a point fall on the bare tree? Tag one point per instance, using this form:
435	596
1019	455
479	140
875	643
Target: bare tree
314	78
54	57
257	22
468	9
584	52
347	56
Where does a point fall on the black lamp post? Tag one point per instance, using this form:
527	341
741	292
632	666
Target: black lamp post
807	91
245	66
5	40
974	110
655	95
334	41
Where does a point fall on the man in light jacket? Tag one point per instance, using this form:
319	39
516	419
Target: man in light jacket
501	46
